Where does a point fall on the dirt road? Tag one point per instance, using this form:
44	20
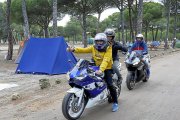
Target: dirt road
155	100
158	99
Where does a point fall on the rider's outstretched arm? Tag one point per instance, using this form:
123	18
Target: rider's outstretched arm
119	46
83	50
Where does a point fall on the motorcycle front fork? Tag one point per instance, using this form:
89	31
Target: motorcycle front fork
80	97
134	76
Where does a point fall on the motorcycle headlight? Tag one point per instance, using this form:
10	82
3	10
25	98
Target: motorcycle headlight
80	78
135	63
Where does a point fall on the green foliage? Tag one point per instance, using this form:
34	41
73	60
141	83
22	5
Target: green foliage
3	32
152	11
91	25
60	31
16	13
73	27
36	30
177	44
77	8
111	22
39	12
100	5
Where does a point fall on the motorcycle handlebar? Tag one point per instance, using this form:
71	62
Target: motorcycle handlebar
99	75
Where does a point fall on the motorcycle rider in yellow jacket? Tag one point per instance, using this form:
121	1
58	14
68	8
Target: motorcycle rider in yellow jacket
102	55
101	59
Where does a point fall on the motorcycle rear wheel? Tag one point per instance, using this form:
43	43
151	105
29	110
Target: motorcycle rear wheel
70	108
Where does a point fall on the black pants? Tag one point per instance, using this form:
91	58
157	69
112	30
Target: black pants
112	89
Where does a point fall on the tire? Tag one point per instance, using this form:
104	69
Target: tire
69	106
129	81
145	79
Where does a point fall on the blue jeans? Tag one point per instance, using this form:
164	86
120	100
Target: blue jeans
116	65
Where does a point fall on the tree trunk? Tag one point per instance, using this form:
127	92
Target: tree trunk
130	21
175	20
10	40
122	21
167	28
146	31
135	18
126	35
119	35
97	27
139	16
54	18
84	30
46	33
161	34
76	38
156	33
26	23
152	32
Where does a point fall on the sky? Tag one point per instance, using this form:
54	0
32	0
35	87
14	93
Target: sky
104	15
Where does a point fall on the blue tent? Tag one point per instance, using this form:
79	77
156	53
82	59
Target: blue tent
155	43
46	56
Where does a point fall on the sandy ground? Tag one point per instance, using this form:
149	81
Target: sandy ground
33	101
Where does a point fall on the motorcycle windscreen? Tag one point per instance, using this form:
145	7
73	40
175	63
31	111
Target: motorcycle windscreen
79	69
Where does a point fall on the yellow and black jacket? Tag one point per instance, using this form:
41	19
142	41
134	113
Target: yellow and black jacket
102	59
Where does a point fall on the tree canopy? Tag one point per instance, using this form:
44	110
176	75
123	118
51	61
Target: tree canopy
83	24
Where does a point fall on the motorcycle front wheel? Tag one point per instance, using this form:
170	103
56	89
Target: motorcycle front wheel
146	78
129	81
70	108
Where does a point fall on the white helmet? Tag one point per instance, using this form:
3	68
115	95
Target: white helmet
100	37
140	36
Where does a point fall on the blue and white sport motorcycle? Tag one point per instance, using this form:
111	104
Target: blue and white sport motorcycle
87	90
